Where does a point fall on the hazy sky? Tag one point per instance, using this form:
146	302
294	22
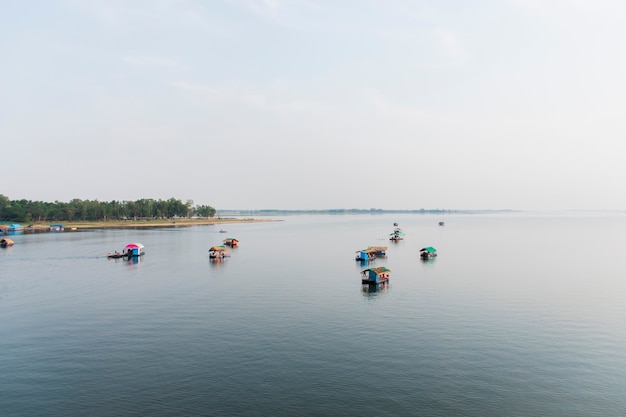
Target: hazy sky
310	104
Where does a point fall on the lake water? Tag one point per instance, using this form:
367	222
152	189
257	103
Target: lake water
521	314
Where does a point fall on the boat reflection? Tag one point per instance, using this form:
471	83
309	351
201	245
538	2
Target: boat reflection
373	289
133	260
217	262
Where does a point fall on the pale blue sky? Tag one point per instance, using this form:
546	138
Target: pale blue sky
316	104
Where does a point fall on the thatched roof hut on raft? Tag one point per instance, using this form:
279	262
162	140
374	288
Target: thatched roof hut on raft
218	252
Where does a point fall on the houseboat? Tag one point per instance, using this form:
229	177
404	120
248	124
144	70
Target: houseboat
133	249
428	252
365	255
231	241
371	253
6	242
397	234
218	252
376	275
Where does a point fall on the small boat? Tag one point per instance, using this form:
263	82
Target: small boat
6	242
115	255
133	249
376	275
441	223
428	252
223	231
56	227
218	252
231	241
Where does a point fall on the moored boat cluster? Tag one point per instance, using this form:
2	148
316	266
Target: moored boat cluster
380	274
219	252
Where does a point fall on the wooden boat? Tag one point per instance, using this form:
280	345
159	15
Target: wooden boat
428	252
231	241
115	255
6	242
218	252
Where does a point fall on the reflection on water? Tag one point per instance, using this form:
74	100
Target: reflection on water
217	262
288	331
374	288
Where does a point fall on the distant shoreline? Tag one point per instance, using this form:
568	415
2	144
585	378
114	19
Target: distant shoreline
132	224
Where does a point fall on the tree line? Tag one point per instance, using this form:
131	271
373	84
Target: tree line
28	211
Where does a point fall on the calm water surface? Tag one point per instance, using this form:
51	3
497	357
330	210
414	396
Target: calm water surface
522	314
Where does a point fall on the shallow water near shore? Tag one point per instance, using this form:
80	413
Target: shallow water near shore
521	314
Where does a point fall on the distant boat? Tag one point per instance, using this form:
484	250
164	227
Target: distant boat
441	223
223	231
218	252
376	275
133	249
231	241
4	243
370	253
14	229
397	234
428	252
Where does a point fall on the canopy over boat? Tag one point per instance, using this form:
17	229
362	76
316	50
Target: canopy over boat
428	249
131	246
218	249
